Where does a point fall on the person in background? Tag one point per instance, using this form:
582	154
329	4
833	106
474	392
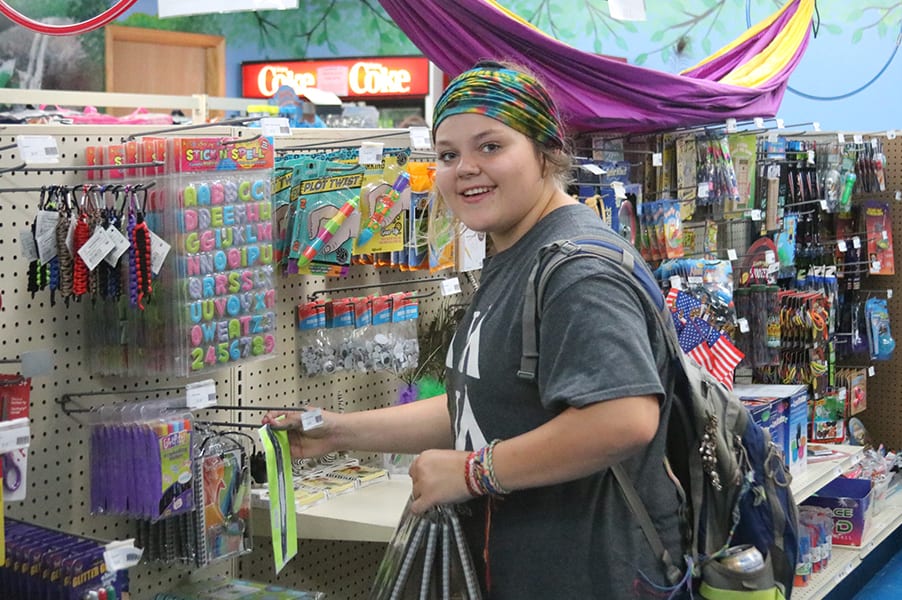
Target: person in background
528	462
309	118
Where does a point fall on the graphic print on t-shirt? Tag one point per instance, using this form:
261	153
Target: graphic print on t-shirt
468	366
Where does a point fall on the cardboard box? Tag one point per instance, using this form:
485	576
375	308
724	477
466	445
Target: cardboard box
850	502
795	399
770	414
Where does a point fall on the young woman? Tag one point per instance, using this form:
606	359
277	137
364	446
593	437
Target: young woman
543	514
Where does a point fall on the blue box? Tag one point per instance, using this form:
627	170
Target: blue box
850	502
795	399
770	414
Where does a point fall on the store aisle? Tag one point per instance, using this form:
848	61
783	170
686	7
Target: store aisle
886	584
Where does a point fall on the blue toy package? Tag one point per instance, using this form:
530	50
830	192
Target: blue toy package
881	342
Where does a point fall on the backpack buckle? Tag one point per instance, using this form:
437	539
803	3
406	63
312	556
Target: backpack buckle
567	247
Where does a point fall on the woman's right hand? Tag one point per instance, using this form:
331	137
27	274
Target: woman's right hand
312	443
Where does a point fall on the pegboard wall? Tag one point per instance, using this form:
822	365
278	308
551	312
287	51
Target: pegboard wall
57	478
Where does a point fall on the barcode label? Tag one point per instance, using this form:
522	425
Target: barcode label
51	151
38	149
23	440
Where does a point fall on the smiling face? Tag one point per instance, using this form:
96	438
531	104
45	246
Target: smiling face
493	177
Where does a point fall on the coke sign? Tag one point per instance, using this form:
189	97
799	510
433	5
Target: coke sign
346	78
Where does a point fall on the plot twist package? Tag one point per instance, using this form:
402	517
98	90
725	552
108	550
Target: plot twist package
223	241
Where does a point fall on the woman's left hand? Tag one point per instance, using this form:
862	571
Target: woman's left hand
438	478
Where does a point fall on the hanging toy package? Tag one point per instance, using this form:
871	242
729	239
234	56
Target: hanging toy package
223	293
880	339
879	226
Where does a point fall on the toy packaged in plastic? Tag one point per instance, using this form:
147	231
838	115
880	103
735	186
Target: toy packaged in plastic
879	227
223	292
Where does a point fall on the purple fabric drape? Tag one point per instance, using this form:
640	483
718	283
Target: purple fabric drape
594	93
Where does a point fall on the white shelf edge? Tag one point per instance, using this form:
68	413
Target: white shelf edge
817	475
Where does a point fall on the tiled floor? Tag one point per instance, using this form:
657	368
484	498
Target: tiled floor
886	584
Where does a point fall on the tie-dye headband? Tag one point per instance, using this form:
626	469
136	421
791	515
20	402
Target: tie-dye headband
511	97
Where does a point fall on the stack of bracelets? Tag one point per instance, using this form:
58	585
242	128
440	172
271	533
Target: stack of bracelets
480	472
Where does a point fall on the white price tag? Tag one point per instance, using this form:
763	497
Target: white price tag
874	143
123	555
703	189
773	267
883	234
856	242
755	214
38	149
676	282
891	134
592	168
841	137
14	434
27	243
743	324
816	126
841	245
420	138
731	125
371	153
769	257
200	394
842	394
47	248
311	419
159	249
450	286
889	293
759	123
772	137
45	221
898	194
96	248
823	204
780	124
657	159
811	157
871	371
121	246
857	139
731	254
275	127
695	280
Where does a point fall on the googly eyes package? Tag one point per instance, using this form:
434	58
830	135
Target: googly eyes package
222	237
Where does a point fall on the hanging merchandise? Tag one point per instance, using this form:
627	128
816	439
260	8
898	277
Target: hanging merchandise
427	557
221	292
282	517
15	399
878	225
880	340
422	180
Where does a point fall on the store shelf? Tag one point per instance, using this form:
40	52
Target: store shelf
368	514
846	559
818	474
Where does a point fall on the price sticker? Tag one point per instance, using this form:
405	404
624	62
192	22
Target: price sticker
27	243
898	194
592	168
122	245
769	257
743	324
38	149
857	139
676	282
731	125
816	126
703	189
823	204
119	556
420	138
755	214
889	293
200	394
871	371
759	123
47	248
772	137
841	245
370	153
657	159
841	137
311	419
450	286
780	124
275	127
856	242
695	280
14	434
731	254
811	157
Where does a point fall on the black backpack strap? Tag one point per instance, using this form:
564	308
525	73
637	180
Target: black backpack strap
674	575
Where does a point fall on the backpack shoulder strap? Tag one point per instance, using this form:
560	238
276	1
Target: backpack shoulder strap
551	257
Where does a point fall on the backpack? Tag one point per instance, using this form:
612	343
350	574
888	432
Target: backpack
734	481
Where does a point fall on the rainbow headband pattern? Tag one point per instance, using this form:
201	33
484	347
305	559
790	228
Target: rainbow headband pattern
511	97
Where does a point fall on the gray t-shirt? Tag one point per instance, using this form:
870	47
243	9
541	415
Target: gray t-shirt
596	342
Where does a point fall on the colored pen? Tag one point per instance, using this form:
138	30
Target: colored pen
328	230
383	207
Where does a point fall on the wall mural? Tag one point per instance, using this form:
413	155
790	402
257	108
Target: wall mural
675	36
